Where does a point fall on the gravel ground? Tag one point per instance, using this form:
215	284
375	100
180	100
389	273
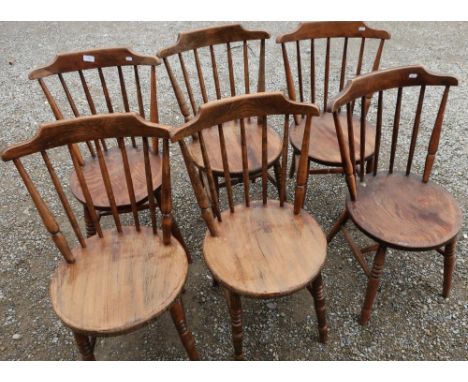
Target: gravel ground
411	320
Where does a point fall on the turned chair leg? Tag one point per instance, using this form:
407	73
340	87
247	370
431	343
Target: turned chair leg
449	266
178	317
235	310
337	226
175	228
90	228
373	284
316	290
85	346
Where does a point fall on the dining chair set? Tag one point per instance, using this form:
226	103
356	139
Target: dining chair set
260	241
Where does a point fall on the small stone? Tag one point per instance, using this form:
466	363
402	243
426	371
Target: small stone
16	336
271	305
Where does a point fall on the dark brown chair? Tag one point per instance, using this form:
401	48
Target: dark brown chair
118	280
397	209
67	77
305	79
259	248
207	52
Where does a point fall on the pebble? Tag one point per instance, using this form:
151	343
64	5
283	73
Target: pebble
16	336
271	305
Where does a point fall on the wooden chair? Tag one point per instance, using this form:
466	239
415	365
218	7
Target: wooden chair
323	148
396	209
260	248
123	277
68	70
206	46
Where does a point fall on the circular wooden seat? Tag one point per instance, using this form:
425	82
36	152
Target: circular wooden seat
113	158
119	282
232	137
265	251
323	147
404	212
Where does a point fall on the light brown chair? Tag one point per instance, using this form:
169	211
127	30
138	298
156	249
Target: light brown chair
68	84
123	277
303	78
259	248
397	209
207	52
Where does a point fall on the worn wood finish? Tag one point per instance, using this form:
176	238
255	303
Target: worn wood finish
260	248
84	62
178	316
232	138
397	209
324	146
119	282
255	243
202	42
430	215
119	279
316	290
211	36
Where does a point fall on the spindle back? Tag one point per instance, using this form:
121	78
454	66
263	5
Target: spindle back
307	79
206	45
66	133
399	80
216	113
68	84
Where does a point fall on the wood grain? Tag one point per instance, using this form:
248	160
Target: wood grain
404	212
232	137
323	147
119	282
116	170
265	251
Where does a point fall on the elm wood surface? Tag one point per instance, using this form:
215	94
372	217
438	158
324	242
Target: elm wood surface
260	248
92	173
323	146
232	136
403	212
265	251
397	209
117	280
197	43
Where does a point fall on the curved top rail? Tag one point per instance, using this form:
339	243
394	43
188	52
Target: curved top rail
92	59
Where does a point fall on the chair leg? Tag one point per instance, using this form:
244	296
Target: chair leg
373	284
178	317
90	228
178	235
316	290
292	169
337	226
370	165
449	266
277	170
306	183
85	347
235	310
175	228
